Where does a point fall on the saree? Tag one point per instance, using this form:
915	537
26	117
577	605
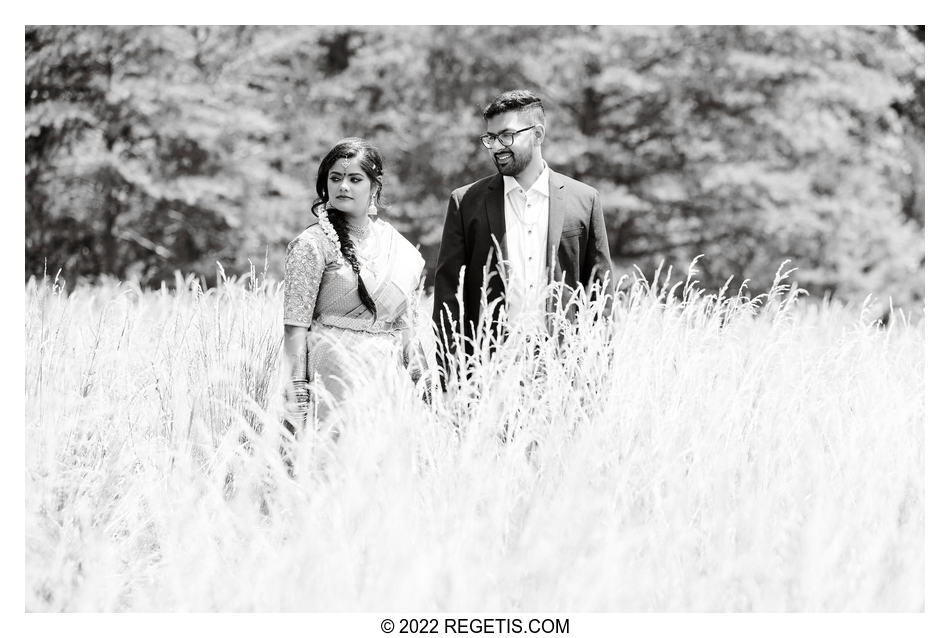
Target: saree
346	346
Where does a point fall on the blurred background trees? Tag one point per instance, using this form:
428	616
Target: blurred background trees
156	149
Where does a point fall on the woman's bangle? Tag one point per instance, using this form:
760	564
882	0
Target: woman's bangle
299	391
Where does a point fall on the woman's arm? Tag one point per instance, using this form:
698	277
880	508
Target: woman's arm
413	352
295	351
304	271
295	362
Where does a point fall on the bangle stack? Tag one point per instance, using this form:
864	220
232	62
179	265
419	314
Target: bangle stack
299	390
298	396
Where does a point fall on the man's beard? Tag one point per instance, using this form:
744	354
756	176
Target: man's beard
515	165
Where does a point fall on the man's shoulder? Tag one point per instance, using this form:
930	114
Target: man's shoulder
476	188
571	184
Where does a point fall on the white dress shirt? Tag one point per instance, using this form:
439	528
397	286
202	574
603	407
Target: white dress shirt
526	230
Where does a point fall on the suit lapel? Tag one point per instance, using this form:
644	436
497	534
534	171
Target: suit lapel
495	208
555	218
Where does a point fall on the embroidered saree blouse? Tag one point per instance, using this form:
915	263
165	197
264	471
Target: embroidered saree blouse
320	286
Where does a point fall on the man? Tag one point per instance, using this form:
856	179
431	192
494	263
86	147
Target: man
547	227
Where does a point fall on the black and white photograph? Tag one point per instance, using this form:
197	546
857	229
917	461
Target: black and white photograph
474	328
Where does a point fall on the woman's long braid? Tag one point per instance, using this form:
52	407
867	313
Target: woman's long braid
372	164
349	253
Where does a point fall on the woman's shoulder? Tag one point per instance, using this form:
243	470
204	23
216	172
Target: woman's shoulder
312	235
404	245
314	240
407	260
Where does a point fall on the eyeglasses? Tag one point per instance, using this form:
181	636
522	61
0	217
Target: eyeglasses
506	139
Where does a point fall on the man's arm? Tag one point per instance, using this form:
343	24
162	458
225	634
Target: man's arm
597	264
445	307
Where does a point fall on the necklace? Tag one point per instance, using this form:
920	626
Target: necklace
367	246
358	233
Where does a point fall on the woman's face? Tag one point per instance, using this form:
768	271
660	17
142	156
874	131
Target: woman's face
349	188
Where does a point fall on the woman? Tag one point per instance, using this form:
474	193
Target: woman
350	286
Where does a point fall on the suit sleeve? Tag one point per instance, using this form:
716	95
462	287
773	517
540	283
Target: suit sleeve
445	307
597	265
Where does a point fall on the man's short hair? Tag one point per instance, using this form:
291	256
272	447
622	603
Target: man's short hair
519	100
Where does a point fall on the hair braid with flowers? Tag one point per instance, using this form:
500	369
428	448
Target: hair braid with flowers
372	164
348	249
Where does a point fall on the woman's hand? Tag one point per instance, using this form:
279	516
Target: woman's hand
414	359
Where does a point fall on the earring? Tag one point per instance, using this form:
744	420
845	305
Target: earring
372	211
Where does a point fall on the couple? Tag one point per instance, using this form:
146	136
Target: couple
351	280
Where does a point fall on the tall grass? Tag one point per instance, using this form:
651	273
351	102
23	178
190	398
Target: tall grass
700	451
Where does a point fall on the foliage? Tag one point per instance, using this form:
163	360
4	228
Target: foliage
156	149
131	166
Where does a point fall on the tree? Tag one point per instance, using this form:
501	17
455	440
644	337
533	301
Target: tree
131	149
749	145
154	149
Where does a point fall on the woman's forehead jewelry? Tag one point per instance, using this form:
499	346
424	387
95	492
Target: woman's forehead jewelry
346	163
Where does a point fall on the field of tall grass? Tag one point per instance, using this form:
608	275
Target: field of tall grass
700	451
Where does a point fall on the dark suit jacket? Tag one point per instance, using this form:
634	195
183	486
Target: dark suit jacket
576	247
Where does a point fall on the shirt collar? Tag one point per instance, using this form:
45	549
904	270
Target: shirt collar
541	185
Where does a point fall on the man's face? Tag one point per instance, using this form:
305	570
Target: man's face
512	160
